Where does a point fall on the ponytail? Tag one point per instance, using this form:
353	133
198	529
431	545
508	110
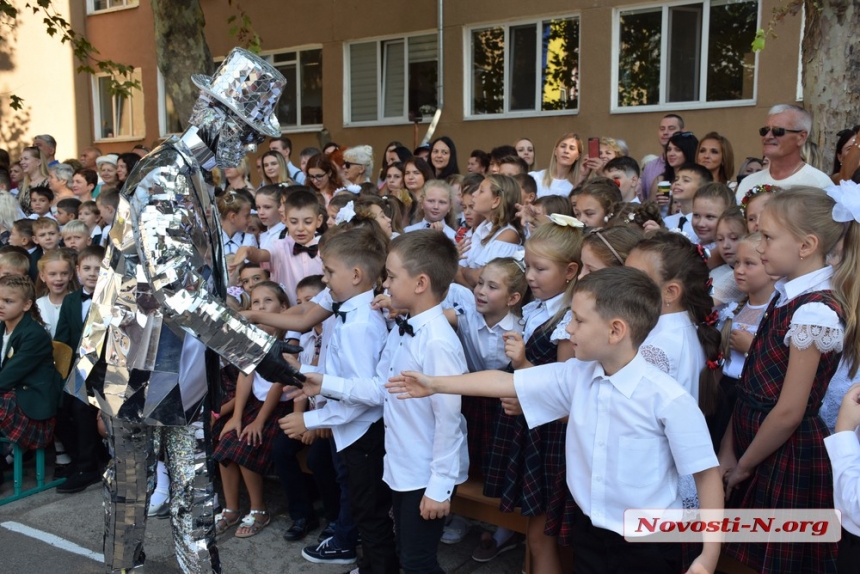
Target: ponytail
847	289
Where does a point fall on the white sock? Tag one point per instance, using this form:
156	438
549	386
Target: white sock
62	457
502	535
162	486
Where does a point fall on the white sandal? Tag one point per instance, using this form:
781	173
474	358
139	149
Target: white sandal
228	524
253	525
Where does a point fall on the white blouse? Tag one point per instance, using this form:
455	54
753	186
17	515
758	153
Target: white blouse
673	347
561	187
480	253
812	323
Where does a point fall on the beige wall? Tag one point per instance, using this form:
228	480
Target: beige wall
127	36
40	70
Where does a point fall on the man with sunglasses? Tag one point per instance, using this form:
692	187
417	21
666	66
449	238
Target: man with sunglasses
158	324
782	138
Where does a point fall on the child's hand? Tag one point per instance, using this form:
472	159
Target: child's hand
737	475
431	510
253	433
515	348
464	246
728	462
238	258
437	226
310	437
849	412
662	200
293	425
740	340
233	424
512	407
410	385
311	387
699	566
324	433
650	225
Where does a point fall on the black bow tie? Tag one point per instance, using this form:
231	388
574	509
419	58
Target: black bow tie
335	308
427	225
404	326
86	296
311	250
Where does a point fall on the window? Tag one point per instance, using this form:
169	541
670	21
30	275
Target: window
301	105
391	81
687	54
104	5
117	117
523	68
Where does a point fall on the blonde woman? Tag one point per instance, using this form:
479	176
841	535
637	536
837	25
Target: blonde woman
35	170
275	169
563	173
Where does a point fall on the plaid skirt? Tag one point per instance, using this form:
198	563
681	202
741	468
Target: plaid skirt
255	458
480	414
27	433
797	475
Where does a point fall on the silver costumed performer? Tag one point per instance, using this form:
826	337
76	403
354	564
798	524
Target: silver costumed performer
148	357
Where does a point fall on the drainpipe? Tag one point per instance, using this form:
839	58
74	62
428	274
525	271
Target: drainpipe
440	72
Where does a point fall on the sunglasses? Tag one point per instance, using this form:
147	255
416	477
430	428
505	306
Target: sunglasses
347	165
777	132
318	177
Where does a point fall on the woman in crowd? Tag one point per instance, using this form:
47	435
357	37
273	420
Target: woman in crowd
358	164
60	180
563	173
275	169
716	155
526	150
35	170
237	177
322	176
443	158
680	149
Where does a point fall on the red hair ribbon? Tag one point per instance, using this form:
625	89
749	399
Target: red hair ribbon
711	319
703	253
717	363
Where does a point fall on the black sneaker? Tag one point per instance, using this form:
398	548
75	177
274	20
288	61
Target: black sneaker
79	481
327	552
300	528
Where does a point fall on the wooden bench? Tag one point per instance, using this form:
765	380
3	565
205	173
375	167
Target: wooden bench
469	501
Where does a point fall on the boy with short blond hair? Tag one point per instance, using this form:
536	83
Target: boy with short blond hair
13	263
425	446
76	235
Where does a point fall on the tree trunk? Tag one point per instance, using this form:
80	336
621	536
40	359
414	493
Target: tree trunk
831	70
181	50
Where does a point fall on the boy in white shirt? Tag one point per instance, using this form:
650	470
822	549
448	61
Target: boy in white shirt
843	448
632	430
352	343
688	179
425	444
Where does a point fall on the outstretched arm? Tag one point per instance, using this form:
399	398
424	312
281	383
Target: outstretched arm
413	385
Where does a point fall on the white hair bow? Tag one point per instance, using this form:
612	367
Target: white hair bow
519	258
565	220
847	198
346	213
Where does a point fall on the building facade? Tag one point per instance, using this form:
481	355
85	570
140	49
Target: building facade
363	72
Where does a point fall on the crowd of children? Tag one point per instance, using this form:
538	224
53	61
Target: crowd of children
609	356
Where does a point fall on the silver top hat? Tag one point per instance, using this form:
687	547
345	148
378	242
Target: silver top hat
249	86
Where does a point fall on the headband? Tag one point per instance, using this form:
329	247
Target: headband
599	233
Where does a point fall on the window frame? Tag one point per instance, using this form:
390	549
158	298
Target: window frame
664	106
381	120
269	56
136	98
129	5
507	113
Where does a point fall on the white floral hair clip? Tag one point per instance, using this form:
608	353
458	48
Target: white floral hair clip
354	189
346	213
565	220
519	258
847	198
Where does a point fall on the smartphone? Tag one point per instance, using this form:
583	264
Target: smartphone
593	147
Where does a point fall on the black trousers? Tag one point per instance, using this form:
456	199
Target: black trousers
284	451
78	430
370	499
600	551
417	539
848	559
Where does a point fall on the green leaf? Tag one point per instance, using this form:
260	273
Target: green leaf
758	42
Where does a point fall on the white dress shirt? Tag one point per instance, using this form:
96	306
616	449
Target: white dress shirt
484	345
266	237
673	223
351	351
539	312
424	224
239	239
673	346
425	439
844	451
628	438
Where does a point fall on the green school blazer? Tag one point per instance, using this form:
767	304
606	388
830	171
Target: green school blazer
27	367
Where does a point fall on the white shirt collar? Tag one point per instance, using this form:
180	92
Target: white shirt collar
422	319
788	290
357	301
555	304
626	379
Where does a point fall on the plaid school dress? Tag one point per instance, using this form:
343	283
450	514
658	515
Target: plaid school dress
798	474
27	433
526	467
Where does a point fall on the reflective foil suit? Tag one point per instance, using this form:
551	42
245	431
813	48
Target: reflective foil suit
149	355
